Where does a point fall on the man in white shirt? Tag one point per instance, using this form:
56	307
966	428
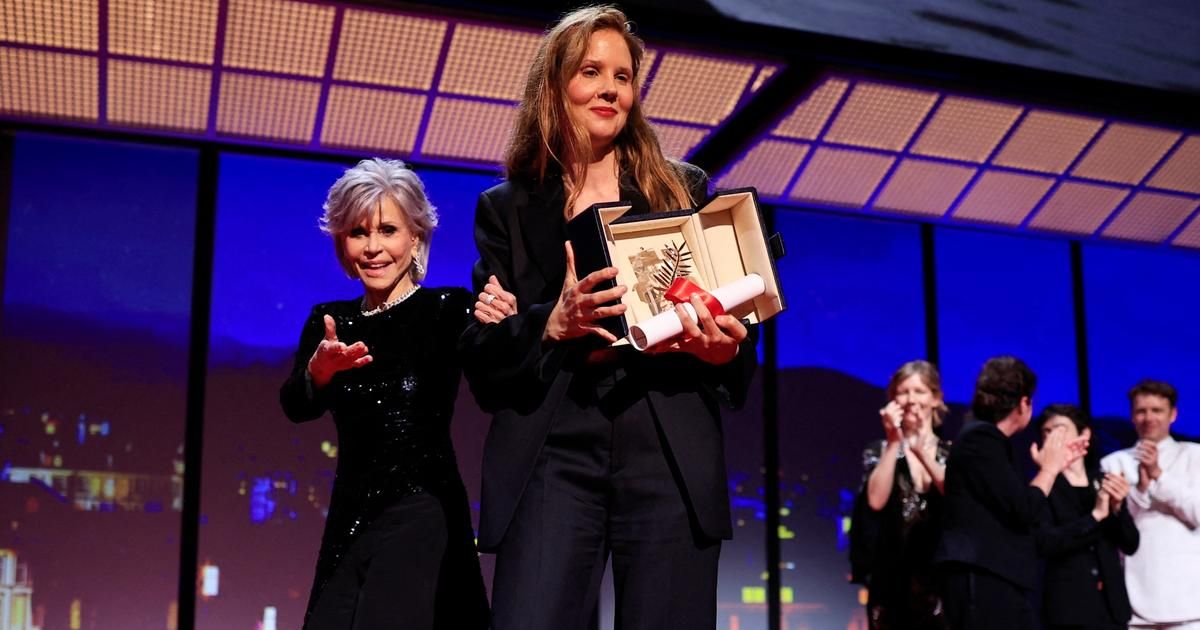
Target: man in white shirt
1163	575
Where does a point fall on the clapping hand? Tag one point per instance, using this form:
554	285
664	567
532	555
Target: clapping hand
1103	506
1117	488
1146	453
1057	452
333	356
892	415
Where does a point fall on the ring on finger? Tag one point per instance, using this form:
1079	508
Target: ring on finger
488	298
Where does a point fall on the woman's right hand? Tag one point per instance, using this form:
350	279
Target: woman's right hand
333	356
892	415
577	310
1057	452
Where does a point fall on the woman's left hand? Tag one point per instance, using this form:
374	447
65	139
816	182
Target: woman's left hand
712	340
1116	487
494	304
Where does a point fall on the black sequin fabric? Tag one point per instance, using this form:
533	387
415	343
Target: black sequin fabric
393	426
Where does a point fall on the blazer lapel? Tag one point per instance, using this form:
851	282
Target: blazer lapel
544	229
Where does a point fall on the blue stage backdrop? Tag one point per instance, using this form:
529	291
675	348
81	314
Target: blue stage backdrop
93	377
1142	307
94	326
1005	294
855	312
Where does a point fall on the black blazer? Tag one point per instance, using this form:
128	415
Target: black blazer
990	512
520	231
1074	545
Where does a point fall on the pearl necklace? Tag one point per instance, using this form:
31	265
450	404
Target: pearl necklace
390	303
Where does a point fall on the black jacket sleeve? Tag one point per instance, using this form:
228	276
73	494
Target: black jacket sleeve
992	480
507	357
301	401
1123	531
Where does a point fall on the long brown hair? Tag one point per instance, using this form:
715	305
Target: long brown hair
546	140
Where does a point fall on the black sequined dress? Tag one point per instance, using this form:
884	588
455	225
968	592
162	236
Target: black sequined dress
393	427
891	551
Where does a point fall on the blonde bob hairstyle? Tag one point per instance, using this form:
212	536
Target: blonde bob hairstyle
546	140
358	193
932	379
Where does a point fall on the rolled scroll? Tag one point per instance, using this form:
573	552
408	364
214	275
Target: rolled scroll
665	325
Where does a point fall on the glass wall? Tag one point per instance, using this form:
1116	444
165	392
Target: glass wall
1005	294
93	379
855	313
1142	307
93	376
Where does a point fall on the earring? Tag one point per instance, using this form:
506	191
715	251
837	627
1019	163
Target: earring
418	267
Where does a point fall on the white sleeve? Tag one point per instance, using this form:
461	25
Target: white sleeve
1180	488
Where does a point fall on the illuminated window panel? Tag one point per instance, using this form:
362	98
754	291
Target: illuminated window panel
1047	141
489	62
1151	217
48	84
173	30
691	88
278	36
155	95
677	141
1125	153
810	116
769	167
1003	198
880	116
1190	236
61	23
764	74
385	49
372	119
1181	171
265	107
924	187
841	177
1078	208
468	130
648	57
966	129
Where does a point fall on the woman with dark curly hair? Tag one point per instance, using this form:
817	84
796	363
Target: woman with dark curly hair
1086	530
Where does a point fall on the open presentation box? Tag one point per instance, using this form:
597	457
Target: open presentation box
720	243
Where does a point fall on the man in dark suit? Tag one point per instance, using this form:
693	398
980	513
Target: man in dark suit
987	553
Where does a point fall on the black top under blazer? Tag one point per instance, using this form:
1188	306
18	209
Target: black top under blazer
990	512
1082	557
519	231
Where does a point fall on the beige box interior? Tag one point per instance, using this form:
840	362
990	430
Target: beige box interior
726	242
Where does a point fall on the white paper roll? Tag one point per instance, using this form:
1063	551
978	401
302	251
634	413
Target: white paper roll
666	325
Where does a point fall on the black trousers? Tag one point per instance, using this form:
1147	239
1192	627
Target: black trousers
979	600
389	577
604	484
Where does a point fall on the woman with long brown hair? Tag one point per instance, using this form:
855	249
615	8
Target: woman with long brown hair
594	450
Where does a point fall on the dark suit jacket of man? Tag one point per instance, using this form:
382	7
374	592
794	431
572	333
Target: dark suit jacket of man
519	231
1081	555
990	512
